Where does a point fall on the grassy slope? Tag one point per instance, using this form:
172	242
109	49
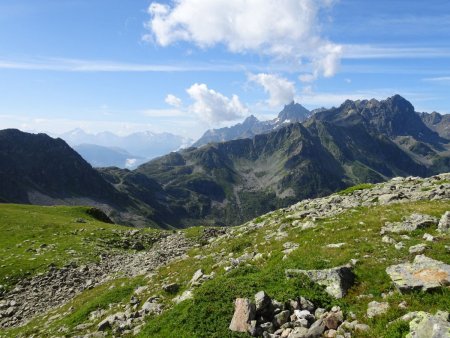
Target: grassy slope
33	237
209	313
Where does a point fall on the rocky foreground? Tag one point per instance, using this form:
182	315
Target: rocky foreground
264	316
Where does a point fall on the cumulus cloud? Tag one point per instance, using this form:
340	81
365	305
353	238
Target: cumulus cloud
278	28
173	101
213	107
281	91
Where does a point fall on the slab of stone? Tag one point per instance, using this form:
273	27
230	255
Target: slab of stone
423	274
444	223
336	280
429	326
375	308
244	313
417	249
409	224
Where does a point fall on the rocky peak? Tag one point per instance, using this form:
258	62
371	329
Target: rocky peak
250	121
294	112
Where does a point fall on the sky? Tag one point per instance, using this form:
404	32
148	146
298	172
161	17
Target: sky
188	65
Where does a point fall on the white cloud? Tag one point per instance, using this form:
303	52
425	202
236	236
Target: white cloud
281	91
173	101
212	106
286	29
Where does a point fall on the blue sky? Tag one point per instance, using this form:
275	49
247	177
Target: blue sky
189	65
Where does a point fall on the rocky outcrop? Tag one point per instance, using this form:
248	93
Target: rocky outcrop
444	223
336	280
423	274
425	325
296	318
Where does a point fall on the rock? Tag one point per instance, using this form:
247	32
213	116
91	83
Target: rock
262	301
196	277
425	325
171	288
387	239
417	249
151	307
428	237
376	309
333	320
336	280
362	327
423	274
281	318
317	329
105	324
138	246
399	246
444	223
335	245
244	313
184	296
298	332
409	224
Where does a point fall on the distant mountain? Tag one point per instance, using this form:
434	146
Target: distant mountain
99	156
146	144
293	112
230	182
438	123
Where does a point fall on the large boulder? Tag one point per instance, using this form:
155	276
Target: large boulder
244	313
336	280
423	274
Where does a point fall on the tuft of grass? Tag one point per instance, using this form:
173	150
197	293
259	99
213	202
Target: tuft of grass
350	190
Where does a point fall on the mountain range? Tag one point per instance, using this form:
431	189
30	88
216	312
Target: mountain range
108	149
293	112
230	182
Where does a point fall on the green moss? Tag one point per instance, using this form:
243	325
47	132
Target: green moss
349	190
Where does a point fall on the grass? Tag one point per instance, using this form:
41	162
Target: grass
209	313
33	237
350	190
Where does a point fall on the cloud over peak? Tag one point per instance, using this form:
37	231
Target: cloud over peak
278	28
281	91
213	107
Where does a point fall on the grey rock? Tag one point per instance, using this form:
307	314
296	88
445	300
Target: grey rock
377	308
244	313
425	325
171	288
444	223
337	280
409	224
417	249
317	329
184	296
298	332
423	274
262	301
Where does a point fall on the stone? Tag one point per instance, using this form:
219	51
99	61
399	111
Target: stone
171	288
244	313
151	307
105	324
399	246
444	223
409	224
337	280
377	308
428	237
184	296
417	249
335	245
317	329
423	274
387	239
281	318
196	277
333	320
262	301
362	327
330	334
428	326
298	332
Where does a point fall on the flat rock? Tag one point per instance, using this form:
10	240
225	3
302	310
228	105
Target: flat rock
417	249
336	280
376	309
409	224
244	313
425	325
423	274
